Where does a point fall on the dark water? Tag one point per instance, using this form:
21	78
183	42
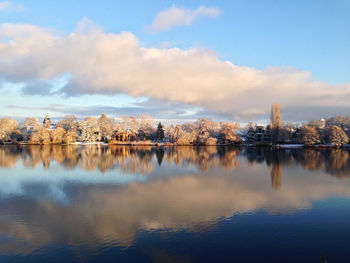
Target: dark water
205	204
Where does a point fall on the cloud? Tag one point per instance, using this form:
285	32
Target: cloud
4	5
160	110
11	7
108	63
176	16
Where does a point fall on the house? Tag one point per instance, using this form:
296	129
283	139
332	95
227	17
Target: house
123	136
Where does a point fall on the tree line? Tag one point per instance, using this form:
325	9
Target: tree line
126	129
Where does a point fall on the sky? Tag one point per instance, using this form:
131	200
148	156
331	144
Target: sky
175	60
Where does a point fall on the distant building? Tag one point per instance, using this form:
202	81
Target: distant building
322	123
48	124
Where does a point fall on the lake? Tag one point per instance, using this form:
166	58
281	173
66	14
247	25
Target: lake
95	203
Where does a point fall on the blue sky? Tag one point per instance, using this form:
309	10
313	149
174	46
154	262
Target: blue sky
311	36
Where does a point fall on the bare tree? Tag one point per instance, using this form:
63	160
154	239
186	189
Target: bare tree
275	120
276	116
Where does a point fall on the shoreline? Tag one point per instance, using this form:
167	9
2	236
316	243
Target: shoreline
167	144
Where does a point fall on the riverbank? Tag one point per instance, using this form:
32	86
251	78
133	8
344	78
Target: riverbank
168	144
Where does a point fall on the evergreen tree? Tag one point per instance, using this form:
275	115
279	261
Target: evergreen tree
160	131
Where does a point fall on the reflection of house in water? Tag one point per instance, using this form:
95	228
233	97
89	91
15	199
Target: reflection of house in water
259	135
276	176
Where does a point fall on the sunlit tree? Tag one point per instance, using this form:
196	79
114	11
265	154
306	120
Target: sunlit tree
106	127
8	127
145	126
70	123
275	120
228	132
309	136
337	136
89	130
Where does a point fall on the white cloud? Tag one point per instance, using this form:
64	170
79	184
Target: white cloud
4	5
176	16
9	6
107	63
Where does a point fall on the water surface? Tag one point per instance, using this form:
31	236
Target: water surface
182	204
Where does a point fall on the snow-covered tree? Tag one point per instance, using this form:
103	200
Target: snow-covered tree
57	135
205	129
145	126
341	121
29	126
309	136
337	136
69	137
228	132
89	130
185	138
7	129
40	136
31	122
106	127
70	123
170	132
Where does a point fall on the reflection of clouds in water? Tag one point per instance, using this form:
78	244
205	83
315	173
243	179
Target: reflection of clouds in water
99	215
97	195
99	164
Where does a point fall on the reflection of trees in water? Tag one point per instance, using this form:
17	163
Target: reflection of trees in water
273	158
332	161
9	156
338	163
143	159
276	176
203	157
129	159
310	159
